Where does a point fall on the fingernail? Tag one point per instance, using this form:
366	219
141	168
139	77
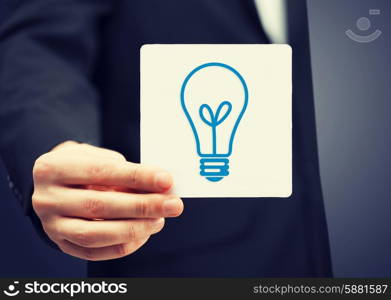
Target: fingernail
163	180
172	207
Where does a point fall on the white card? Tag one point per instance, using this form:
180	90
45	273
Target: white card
218	118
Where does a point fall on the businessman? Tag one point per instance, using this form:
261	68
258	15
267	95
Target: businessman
69	121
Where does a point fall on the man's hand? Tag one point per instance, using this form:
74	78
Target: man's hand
96	205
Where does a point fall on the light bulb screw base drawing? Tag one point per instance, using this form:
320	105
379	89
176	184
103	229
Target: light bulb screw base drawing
214	169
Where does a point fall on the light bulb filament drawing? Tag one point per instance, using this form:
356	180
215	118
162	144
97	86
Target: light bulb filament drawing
215	119
224	88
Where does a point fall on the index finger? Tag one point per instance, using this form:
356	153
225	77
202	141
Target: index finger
89	170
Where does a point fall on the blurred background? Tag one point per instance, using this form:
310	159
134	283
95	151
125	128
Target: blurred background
353	109
352	99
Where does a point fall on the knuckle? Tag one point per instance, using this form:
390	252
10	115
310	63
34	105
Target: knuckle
132	235
98	171
40	204
121	250
141	208
135	173
83	253
43	168
118	155
36	202
121	156
85	238
94	208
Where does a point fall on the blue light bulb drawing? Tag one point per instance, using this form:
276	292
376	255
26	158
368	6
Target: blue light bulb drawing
214	97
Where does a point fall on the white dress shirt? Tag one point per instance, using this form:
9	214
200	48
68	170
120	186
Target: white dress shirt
274	19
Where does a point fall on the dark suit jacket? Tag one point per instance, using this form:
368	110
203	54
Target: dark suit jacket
69	70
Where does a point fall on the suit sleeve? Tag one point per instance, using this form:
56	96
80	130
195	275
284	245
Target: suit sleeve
48	52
